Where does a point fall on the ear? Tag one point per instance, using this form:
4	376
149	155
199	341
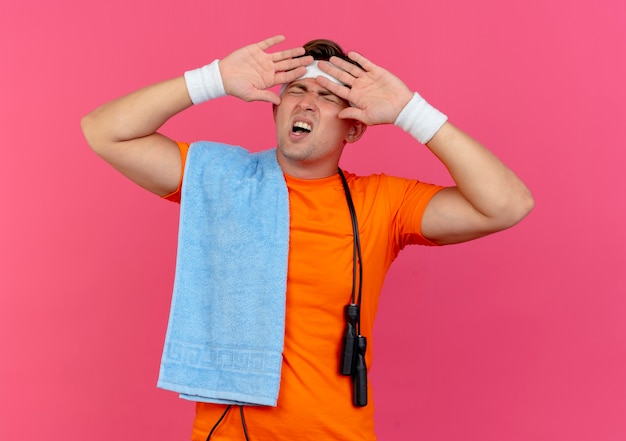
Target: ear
357	129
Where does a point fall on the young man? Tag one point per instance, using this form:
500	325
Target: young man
331	252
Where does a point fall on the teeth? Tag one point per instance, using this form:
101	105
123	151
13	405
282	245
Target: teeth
302	125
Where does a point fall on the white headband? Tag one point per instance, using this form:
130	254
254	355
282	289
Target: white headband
312	71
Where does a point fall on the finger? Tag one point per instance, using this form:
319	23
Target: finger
288	53
364	62
269	42
266	95
289	76
338	89
346	66
352	113
336	72
292	63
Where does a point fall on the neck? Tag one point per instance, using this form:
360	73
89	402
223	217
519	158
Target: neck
303	169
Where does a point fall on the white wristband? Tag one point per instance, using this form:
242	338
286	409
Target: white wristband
205	83
420	119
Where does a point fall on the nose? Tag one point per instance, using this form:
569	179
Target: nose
306	102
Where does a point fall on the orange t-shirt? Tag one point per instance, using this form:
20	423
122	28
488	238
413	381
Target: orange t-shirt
315	401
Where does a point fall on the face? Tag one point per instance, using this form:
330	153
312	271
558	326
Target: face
310	135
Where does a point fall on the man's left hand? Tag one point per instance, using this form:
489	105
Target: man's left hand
377	96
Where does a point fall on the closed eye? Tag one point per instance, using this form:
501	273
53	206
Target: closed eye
296	89
331	97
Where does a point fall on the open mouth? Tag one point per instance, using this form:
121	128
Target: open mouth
301	127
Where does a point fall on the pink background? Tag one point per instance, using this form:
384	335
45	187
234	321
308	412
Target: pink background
520	336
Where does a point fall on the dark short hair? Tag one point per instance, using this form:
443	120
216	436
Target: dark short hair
322	49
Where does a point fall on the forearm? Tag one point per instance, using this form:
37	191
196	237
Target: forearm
137	115
483	180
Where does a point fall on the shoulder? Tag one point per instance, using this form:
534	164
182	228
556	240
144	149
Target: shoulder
215	150
206	156
400	195
388	183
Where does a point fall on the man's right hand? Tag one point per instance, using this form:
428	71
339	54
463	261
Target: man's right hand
249	72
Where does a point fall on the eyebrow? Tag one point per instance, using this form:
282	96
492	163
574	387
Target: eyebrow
299	86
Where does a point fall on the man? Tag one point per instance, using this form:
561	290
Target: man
333	251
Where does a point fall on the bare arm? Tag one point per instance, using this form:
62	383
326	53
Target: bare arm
487	198
124	132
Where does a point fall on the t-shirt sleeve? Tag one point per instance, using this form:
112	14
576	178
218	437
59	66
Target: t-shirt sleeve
175	195
410	211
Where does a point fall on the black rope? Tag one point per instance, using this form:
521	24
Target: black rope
356	249
218	422
243	424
